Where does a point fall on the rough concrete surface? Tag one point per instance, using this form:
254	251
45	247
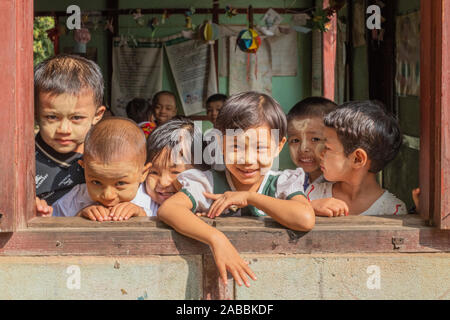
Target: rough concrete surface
401	276
149	277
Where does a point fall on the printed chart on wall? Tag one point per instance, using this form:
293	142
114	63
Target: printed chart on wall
250	71
137	73
407	80
193	67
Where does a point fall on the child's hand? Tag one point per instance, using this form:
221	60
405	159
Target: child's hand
125	210
415	196
330	207
42	208
95	213
225	201
227	259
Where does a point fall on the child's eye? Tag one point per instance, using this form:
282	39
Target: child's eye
176	172
51	117
153	172
294	141
96	182
121	183
78	118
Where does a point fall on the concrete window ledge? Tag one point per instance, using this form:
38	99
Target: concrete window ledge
329	262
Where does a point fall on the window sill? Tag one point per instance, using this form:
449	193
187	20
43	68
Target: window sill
148	236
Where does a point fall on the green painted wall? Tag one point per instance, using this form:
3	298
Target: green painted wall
286	90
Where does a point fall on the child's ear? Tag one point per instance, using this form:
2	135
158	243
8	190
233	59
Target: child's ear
145	171
360	158
280	146
99	114
81	163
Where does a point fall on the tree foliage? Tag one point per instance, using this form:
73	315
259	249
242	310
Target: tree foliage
42	45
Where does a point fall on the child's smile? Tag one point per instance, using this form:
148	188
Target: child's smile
306	142
161	182
248	161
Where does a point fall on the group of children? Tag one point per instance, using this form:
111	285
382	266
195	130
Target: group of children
106	170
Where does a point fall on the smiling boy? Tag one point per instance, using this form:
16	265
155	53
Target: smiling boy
164	106
115	168
68	101
361	138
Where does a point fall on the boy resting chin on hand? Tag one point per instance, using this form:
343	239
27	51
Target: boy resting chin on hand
115	168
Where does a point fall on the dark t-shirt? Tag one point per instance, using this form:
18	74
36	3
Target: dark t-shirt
56	173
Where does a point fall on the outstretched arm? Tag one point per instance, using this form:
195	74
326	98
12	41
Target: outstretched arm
176	212
296	213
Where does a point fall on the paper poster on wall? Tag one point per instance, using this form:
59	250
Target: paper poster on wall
283	50
193	67
250	71
137	73
407	79
284	53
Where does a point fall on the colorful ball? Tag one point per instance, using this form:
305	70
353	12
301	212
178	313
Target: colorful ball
248	41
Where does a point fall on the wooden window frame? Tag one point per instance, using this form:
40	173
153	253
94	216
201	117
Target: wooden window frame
21	233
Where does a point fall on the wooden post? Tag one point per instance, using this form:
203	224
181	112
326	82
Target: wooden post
434	172
17	190
215	19
329	45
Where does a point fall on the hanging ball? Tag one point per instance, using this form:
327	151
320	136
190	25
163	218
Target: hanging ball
248	41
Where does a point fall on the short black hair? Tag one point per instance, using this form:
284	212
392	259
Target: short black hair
250	109
138	110
311	107
114	138
66	73
367	125
167	136
160	93
216	97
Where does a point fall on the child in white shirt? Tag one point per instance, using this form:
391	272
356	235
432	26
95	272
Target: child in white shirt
114	163
361	138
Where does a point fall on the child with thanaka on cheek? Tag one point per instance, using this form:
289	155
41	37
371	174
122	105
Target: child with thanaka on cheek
306	142
114	163
68	99
170	151
361	138
252	129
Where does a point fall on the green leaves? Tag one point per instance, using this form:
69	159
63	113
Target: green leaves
42	45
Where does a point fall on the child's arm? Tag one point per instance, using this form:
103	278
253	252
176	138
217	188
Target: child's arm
330	207
296	213
42	208
176	212
415	196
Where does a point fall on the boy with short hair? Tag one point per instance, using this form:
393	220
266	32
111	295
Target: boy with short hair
213	105
68	101
115	168
164	106
360	140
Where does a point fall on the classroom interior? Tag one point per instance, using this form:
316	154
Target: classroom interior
365	63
